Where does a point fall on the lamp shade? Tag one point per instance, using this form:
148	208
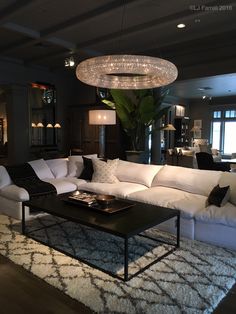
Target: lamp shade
169	127
102	117
57	126
195	128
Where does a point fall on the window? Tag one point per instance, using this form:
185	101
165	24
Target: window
223	131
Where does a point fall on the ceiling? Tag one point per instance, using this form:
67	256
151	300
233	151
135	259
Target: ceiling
44	32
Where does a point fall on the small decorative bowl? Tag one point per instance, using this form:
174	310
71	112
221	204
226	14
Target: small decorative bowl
105	200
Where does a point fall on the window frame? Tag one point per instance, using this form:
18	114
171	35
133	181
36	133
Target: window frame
223	109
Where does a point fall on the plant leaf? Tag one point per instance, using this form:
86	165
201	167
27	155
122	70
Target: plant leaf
147	109
123	100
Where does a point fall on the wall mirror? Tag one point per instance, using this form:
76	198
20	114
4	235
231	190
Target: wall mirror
42	106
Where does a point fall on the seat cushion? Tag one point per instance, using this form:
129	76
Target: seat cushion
120	189
62	185
190	180
188	203
225	215
136	173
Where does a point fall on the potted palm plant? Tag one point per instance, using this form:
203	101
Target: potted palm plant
137	110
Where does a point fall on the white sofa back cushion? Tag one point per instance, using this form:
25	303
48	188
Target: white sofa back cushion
76	165
41	169
4	177
137	173
58	166
228	178
190	180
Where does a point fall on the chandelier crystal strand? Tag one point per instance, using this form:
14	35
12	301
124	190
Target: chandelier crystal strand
126	72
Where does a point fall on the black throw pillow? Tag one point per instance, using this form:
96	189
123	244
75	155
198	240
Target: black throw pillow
87	172
219	196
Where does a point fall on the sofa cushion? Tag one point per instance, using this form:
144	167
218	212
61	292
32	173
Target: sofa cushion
228	178
190	180
188	203
119	189
219	196
87	172
62	185
225	215
75	165
58	167
4	177
136	173
75	181
41	169
104	172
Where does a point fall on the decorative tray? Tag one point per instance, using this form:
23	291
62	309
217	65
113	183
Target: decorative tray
89	200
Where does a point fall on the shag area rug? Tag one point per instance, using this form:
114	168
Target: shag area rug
193	279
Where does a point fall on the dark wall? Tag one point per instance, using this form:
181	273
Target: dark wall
201	109
16	78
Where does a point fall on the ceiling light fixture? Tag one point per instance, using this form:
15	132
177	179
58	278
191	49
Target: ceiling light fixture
181	25
126	72
70	62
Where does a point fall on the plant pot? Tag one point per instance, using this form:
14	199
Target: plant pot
135	156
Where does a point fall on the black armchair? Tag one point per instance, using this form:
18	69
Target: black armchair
205	161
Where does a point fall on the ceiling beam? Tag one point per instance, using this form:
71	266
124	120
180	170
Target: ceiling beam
65	25
15	8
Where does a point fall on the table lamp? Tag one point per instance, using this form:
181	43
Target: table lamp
102	118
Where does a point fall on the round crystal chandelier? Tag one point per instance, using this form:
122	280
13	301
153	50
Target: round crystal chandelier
126	72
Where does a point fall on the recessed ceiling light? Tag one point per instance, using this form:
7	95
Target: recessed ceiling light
181	25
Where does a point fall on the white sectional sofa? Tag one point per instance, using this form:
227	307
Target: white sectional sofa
169	186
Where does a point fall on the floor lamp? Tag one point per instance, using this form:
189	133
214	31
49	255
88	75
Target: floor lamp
102	118
168	127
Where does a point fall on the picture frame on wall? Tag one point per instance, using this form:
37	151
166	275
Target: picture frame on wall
197	128
179	111
198	124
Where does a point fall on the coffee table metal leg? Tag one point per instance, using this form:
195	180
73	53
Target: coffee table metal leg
126	261
23	219
178	229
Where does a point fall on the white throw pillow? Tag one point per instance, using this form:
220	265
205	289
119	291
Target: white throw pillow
76	165
59	167
104	172
137	173
187	179
4	177
41	169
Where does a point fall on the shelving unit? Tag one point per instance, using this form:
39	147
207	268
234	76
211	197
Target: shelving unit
182	132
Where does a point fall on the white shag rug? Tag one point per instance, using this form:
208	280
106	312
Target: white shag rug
193	279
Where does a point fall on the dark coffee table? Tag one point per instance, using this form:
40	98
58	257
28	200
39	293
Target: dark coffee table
125	224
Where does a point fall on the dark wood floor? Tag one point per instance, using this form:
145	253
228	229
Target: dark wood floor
23	293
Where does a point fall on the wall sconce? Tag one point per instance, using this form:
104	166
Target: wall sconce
49	125
57	126
40	125
102	118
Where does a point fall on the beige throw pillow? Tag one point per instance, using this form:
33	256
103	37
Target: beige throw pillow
104	172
